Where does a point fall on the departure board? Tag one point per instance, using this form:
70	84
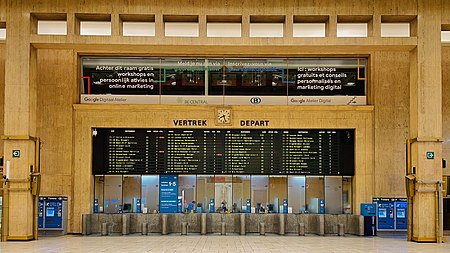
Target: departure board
223	151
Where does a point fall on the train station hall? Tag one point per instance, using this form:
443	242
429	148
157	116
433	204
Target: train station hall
225	126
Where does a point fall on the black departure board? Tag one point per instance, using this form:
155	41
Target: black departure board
223	151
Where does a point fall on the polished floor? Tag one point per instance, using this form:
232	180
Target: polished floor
217	243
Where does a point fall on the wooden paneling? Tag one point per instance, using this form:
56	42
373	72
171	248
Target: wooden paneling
161	116
390	90
445	11
56	91
2	91
446	107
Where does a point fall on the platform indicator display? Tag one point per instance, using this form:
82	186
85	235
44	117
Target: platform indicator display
223	151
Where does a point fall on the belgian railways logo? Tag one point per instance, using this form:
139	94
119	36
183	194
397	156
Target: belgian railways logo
255	100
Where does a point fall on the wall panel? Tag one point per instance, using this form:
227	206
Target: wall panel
390	87
2	92
446	107
56	92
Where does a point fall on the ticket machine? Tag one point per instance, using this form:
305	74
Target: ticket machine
52	213
401	215
392	214
385	215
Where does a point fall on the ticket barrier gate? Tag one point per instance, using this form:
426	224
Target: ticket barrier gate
392	214
52	214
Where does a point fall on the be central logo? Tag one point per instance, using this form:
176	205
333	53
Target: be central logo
255	100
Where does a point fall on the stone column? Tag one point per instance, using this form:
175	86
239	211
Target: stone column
19	120
426	118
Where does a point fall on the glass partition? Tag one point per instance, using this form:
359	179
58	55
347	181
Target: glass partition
98	193
296	193
333	195
113	194
223	77
186	189
260	193
241	192
227	193
205	193
131	194
347	195
277	193
314	193
223	193
150	194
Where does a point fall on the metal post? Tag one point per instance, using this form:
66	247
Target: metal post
183	228
341	229
301	229
440	213
5	222
223	230
203	224
164	224
242	223
282	224
144	229
262	229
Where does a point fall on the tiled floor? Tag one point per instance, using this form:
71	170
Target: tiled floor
216	243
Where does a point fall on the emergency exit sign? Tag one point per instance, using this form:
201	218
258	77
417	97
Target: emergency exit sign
430	155
16	153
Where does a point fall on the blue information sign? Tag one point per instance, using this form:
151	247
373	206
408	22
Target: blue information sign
95	205
180	204
285	206
249	206
322	206
168	193
211	205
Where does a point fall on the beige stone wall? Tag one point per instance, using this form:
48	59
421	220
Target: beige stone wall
2	91
446	106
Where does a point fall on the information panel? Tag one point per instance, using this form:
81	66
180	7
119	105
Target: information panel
223	151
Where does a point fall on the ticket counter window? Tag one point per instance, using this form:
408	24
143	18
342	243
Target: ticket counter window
223	193
205	192
277	193
150	194
347	195
260	193
98	195
296	193
186	189
241	192
131	194
314	194
113	194
333	195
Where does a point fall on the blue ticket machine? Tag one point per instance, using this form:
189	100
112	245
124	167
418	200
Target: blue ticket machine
41	213
369	211
385	214
401	215
52	213
248	206
285	205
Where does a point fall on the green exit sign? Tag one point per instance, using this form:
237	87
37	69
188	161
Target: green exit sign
430	155
16	153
